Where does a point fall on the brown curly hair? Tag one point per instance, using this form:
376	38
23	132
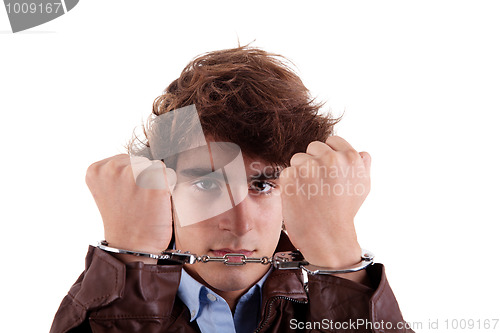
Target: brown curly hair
249	97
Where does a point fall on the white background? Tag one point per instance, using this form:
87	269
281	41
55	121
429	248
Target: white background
419	83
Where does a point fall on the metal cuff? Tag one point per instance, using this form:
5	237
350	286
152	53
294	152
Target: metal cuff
366	260
103	245
281	260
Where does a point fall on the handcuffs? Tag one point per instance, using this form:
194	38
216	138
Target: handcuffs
280	260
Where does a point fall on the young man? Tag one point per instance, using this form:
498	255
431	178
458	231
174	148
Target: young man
255	159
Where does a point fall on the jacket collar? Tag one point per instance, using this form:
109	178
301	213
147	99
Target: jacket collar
285	282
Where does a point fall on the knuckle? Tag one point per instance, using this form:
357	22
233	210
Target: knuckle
314	162
330	157
352	155
91	172
112	163
117	164
92	168
297	159
88	179
313	145
332	139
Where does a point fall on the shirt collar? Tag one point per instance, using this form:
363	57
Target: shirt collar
192	293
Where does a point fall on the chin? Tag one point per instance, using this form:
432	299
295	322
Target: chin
231	278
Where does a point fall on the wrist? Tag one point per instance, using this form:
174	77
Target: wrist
356	272
341	257
138	244
339	253
114	246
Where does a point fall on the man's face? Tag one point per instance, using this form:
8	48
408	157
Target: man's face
251	227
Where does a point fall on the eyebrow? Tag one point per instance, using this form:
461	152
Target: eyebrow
200	172
266	176
196	172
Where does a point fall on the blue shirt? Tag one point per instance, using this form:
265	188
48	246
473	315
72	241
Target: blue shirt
212	313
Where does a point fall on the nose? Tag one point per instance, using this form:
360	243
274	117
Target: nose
240	219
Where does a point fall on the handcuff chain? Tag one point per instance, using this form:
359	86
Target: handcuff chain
243	259
280	260
189	258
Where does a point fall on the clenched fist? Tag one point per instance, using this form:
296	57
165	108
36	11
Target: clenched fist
321	192
133	197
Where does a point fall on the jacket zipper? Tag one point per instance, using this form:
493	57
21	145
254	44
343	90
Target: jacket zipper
268	310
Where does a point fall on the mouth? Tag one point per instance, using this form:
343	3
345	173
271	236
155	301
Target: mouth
223	252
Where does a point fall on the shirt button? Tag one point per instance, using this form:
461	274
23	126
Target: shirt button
211	297
193	313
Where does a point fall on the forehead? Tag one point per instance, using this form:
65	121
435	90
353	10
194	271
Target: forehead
217	155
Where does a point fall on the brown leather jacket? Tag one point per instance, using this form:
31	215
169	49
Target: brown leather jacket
110	296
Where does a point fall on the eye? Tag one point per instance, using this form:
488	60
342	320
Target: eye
206	185
262	187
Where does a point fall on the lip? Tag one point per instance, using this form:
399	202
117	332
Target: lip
222	252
